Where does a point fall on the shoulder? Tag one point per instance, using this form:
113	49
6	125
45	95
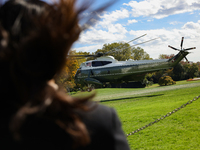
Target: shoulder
104	126
99	115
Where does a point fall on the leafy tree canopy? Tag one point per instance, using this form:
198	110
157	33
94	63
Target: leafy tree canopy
139	54
165	56
120	51
123	51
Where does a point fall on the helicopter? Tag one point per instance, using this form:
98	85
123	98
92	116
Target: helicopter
106	69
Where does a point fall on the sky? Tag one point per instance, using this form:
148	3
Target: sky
167	20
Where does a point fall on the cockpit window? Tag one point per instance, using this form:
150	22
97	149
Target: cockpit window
82	65
100	63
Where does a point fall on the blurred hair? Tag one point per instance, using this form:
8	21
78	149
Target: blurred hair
35	38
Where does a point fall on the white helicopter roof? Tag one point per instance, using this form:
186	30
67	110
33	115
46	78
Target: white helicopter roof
106	58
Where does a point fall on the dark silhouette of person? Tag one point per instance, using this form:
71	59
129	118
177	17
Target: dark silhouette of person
35	113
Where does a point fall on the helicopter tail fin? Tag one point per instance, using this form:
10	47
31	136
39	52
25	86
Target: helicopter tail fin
177	58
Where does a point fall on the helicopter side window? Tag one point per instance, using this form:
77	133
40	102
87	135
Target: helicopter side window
96	63
100	63
89	64
106	62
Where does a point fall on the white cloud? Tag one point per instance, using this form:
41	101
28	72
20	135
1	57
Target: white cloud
174	22
90	49
100	36
149	20
143	8
115	15
193	26
132	21
107	30
162	8
112	17
117	28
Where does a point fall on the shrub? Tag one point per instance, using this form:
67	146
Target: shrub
147	82
166	80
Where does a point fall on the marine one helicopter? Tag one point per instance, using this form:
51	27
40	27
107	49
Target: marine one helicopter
106	69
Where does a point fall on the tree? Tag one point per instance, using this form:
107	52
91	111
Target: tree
191	70
198	64
120	51
139	54
194	70
178	72
81	59
165	56
66	77
156	75
166	80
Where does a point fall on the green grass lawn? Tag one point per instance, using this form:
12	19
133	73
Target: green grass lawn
180	131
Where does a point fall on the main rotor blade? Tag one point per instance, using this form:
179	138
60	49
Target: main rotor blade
189	48
182	43
76	58
173	48
144	42
136	38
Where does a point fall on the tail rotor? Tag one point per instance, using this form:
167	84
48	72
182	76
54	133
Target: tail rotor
182	50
